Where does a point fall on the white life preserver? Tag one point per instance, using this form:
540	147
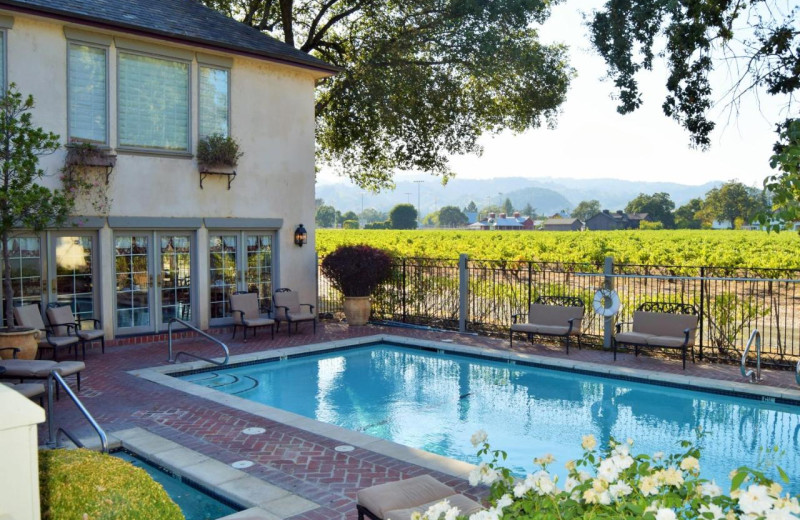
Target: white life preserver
606	302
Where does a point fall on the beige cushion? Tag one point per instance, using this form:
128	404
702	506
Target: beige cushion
38	369
669	341
549	330
466	507
633	337
29	316
288	299
246	303
558	315
29	390
59	341
259	322
300	316
61	315
67	368
663	323
90	335
402	494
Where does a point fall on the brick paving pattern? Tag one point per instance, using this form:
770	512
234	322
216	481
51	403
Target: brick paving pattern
301	462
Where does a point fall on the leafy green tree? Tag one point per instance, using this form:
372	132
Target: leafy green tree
689	215
403	216
23	202
451	216
471	207
326	216
784	185
373	215
658	207
586	209
734	200
529	211
349	215
426	78
508	208
350	224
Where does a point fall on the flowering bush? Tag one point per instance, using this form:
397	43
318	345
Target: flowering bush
84	177
611	483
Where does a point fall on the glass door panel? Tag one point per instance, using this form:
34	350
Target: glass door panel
26	270
175	278
258	275
222	271
133	281
73	284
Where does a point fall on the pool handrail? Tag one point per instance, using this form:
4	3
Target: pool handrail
202	333
55	378
753	376
797	373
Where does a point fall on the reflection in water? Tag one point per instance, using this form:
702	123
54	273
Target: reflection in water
435	402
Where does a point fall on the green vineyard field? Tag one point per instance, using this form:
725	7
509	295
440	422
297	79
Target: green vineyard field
727	249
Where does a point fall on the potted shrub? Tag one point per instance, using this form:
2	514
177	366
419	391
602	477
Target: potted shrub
24	204
356	271
217	153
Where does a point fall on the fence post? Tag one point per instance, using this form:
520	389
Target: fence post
702	306
463	292
608	283
404	290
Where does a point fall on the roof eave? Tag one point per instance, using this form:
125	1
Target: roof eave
326	69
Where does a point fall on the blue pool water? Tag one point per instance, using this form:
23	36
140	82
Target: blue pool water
436	401
194	504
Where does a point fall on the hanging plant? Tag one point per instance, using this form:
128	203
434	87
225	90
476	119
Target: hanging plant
84	176
217	150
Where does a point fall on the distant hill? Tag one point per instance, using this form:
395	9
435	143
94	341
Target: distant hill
547	195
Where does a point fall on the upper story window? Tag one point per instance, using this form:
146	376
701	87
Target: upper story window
153	106
213	101
6	22
87	93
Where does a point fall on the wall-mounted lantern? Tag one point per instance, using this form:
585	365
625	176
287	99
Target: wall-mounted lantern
300	235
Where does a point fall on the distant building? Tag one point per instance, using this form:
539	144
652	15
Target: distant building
608	221
502	222
562	224
472	217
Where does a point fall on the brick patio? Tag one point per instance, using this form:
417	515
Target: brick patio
296	460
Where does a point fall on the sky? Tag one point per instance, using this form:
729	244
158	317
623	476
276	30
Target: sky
593	141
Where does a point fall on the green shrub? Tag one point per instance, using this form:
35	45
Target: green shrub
217	149
83	484
650	225
350	224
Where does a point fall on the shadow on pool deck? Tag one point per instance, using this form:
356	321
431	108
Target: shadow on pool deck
303	463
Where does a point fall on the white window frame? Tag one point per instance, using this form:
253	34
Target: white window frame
106	49
6	24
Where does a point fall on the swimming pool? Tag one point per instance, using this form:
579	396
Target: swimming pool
435	401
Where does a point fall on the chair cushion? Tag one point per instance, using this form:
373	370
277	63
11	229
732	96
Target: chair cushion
59	341
23	368
662	323
632	337
288	299
29	316
668	341
300	316
29	390
560	315
248	304
402	494
61	315
90	335
259	322
67	368
466	507
550	330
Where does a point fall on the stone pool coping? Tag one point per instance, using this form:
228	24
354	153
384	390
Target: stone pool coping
161	375
262	501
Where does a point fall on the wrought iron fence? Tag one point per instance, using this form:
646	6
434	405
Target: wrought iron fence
730	302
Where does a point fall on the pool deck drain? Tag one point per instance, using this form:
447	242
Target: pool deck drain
303	462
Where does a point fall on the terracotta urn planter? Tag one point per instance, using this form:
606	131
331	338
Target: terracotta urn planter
26	340
356	309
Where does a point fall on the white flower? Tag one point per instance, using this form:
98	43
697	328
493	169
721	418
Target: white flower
755	500
775	490
504	501
710	489
670	476
690	464
483	474
485	514
714	509
658	455
437	510
590	496
544	460
620	489
608	470
605	498
665	513
588	442
452	513
583	476
648	485
543	484
570	484
779	514
479	437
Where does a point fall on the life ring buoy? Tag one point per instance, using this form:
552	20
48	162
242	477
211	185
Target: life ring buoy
606	302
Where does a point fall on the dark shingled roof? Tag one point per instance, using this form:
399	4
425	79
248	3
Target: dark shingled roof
185	20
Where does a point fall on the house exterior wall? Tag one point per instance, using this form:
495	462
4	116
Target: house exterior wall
601	222
271	117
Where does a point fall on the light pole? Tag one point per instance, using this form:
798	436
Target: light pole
408	197
419	215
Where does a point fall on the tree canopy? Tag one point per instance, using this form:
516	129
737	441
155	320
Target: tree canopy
421	79
403	216
586	209
451	216
658	207
733	200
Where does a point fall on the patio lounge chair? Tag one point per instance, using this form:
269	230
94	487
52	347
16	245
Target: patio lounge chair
288	308
63	324
244	308
29	390
30	316
399	500
24	369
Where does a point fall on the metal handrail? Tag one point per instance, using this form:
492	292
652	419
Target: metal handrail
202	333
797	373
52	441
754	377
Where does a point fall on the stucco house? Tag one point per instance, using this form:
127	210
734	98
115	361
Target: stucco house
562	224
607	220
145	80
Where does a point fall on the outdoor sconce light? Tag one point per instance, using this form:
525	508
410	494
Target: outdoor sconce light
300	235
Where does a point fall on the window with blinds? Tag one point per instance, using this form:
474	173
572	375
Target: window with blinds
213	101
153	103
87	93
3	60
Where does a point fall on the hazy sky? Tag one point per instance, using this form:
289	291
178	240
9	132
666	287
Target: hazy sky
593	141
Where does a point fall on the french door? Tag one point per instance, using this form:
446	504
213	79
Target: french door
153	280
71	273
239	261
